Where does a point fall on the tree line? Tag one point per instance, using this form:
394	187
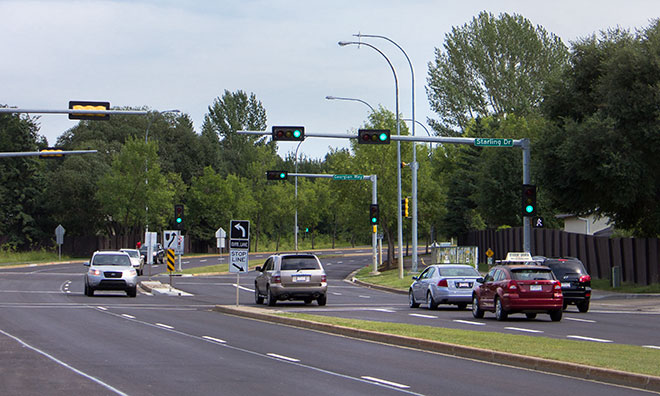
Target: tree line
590	111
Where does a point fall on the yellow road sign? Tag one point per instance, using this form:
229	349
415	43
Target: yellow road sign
170	260
489	252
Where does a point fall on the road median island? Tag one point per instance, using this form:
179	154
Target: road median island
642	381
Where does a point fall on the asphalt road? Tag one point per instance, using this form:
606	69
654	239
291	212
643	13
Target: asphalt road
56	341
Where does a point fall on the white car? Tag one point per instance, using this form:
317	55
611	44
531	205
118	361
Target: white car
136	259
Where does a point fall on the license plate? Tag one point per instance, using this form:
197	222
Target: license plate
535	287
301	278
463	284
566	284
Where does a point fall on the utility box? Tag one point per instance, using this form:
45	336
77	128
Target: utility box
616	276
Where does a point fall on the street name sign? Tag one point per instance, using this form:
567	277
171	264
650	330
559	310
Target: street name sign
493	142
347	177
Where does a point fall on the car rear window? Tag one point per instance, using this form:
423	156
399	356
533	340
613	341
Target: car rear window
107	259
299	263
132	253
532	274
458	272
563	267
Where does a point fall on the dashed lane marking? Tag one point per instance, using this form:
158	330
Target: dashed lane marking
469	322
580	320
289	359
424	316
651	346
524	330
219	341
128	316
385	382
164	325
588	338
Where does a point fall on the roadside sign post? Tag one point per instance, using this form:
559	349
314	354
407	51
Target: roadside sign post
59	236
239	244
170	264
150	241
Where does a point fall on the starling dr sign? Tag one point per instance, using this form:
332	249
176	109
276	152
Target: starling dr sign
493	142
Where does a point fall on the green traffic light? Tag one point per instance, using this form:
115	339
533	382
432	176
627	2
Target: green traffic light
382	137
374	220
282	175
296	133
529	208
178	219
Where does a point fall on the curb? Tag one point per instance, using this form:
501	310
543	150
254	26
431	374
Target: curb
641	381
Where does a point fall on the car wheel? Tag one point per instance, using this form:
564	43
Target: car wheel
411	300
90	290
530	315
308	300
556	315
132	292
86	289
322	300
477	312
258	298
583	306
462	306
431	302
565	306
270	299
500	313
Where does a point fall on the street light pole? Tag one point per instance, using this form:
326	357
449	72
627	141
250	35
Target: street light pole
146	163
398	150
353	99
296	183
414	164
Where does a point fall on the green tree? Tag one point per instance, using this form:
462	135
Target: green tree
599	155
21	183
491	66
124	195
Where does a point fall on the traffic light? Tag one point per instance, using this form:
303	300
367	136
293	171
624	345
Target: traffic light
291	133
51	152
529	200
404	207
374	136
78	105
178	216
373	214
276	175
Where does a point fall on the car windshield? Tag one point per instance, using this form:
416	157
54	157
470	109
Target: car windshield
458	272
563	267
132	253
299	263
532	274
112	259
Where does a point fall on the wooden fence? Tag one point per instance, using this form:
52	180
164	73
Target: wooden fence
637	258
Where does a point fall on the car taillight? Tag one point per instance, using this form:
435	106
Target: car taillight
585	278
443	283
323	278
512	285
277	279
557	286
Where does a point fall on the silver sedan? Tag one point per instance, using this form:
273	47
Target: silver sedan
443	284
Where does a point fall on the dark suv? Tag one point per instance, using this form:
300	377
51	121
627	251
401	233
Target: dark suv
575	281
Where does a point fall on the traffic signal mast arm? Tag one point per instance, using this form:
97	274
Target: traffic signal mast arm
72	111
402	138
38	153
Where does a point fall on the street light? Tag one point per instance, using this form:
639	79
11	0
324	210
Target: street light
398	149
146	162
353	99
414	164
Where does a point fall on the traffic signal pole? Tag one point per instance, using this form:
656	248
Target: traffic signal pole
478	142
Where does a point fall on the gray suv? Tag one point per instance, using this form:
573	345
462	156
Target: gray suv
111	271
291	277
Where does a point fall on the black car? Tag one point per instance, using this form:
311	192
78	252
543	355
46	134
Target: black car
575	281
158	253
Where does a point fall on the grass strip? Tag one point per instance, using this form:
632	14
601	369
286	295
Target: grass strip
628	358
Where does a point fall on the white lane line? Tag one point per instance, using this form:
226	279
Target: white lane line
651	346
282	357
102	308
203	261
164	325
525	330
384	310
128	316
385	382
588	338
219	341
580	320
75	370
469	322
340	262
424	316
243	288
336	294
361	296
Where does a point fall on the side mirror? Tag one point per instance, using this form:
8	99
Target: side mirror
480	280
258	268
86	263
415	277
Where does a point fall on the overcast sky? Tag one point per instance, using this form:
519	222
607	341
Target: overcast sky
184	54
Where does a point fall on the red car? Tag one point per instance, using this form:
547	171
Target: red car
528	289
